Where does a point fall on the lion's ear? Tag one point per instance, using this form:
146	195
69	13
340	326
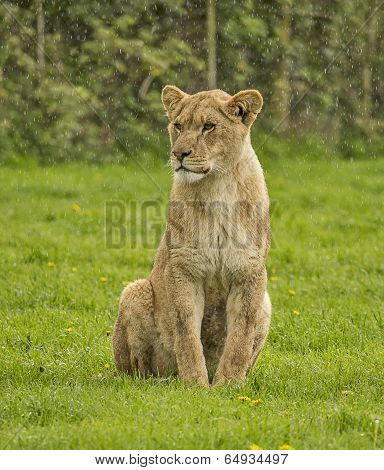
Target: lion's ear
246	105
170	96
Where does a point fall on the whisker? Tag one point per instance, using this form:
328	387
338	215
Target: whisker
219	169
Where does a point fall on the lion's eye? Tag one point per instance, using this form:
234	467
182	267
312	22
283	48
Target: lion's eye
208	126
177	126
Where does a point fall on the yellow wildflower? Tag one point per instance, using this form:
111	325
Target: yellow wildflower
296	312
291	292
69	329
103	279
76	208
51	264
256	402
107	366
285	447
255	447
244	399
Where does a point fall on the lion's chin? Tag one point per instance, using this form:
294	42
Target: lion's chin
185	176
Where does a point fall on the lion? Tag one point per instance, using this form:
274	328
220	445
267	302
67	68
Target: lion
204	311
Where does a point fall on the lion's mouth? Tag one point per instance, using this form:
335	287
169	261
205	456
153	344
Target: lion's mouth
182	167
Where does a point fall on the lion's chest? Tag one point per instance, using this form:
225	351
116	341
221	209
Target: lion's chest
218	243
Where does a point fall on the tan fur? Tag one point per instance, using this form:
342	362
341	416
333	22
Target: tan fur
204	306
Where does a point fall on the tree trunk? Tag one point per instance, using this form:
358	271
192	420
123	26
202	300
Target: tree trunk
282	88
211	39
40	36
368	60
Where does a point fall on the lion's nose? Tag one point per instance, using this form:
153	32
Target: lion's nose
181	155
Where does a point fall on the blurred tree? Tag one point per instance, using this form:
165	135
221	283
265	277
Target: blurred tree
83	79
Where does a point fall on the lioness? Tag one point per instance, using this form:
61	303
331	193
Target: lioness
205	302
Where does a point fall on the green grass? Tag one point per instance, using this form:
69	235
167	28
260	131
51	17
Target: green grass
320	378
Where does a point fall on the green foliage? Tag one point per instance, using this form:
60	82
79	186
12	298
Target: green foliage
97	96
320	378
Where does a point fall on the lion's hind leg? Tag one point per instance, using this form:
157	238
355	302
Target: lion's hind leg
134	334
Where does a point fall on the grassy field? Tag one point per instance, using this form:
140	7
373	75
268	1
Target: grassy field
320	379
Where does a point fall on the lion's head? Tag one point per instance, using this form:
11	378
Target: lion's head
208	130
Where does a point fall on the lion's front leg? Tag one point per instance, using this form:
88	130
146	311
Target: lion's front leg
245	318
187	303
